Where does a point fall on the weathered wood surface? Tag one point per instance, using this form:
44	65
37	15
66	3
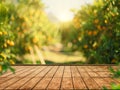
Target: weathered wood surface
57	77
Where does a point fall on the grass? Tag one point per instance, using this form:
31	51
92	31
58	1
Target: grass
52	57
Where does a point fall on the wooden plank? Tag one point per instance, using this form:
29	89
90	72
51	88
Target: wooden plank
104	68
93	74
55	84
90	83
93	68
27	70
102	83
99	68
87	69
17	84
111	81
83	73
43	73
104	74
31	83
75	72
67	82
43	83
17	69
37	70
67	72
117	79
78	83
2	79
59	72
25	77
9	82
52	72
45	80
13	80
56	81
58	77
81	68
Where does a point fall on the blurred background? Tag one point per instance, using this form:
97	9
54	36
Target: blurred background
59	32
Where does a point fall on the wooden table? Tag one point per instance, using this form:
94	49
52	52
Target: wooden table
58	77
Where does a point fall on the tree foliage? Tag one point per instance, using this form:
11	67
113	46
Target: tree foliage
6	40
99	26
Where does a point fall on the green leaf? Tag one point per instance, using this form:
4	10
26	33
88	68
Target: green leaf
12	69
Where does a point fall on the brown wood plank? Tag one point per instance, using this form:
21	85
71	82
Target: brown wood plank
9	82
13	80
4	79
117	79
18	84
17	69
104	74
93	74
67	82
26	76
83	72
44	72
67	72
99	68
52	72
75	72
31	83
111	80
59	72
25	71
102	83
46	80
43	83
78	83
90	83
95	68
87	69
54	84
58	77
81	68
56	81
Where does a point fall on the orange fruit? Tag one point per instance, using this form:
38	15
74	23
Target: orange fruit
0	68
5	33
89	33
8	42
35	40
1	33
96	21
5	45
85	46
99	27
11	62
106	21
11	43
94	33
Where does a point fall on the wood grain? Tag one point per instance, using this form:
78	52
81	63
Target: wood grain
61	77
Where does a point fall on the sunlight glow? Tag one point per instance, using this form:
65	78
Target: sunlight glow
61	8
64	18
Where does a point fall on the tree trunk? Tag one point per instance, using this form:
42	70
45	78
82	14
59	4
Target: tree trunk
32	56
39	55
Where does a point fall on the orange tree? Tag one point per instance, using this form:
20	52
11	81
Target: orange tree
6	40
30	26
100	31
